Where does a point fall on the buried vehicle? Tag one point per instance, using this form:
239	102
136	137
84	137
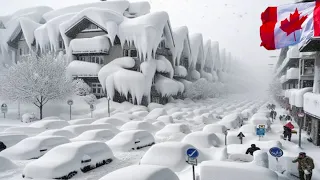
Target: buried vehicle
65	161
131	140
33	147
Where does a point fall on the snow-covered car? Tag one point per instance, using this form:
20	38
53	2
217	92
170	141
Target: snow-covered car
168	154
131	140
111	120
138	125
33	147
65	161
141	172
231	121
58	132
11	139
95	135
78	129
81	121
173	132
50	124
6	164
215	128
202	139
30	131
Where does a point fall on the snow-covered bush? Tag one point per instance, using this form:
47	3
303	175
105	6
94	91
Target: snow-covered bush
28	117
201	89
80	87
90	99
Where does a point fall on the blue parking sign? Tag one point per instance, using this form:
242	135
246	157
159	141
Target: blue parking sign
261	130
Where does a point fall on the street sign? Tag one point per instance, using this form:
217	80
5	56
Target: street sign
241	136
70	102
261	130
276	152
193	162
301	114
192	153
4	108
92	107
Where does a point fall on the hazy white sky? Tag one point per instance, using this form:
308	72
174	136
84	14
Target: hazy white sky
234	23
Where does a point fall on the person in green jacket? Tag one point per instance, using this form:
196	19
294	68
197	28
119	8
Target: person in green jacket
305	166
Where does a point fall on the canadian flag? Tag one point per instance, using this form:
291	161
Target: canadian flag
289	24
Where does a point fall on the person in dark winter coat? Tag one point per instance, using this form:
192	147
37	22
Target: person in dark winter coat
288	118
305	166
252	149
2	146
287	130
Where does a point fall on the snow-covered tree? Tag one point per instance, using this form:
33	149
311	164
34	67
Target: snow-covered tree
275	88
90	99
201	89
37	80
80	87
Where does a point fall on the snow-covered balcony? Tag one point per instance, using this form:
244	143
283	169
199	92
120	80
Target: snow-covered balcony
292	73
298	96
283	79
83	69
311	103
94	45
180	71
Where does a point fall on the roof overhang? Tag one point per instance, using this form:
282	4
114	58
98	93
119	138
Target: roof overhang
311	45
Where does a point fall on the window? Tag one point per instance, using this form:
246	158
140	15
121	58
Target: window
96	88
117	41
162	44
96	59
20	51
61	44
133	53
198	67
92	26
125	52
82	58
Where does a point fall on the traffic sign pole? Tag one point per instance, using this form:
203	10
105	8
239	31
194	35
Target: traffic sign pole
192	154
194	173
300	115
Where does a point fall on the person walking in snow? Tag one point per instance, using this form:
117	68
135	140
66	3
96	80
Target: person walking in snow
252	149
287	130
305	166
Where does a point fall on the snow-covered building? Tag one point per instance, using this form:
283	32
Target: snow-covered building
114	46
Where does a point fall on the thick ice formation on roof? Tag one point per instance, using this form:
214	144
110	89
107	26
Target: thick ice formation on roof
28	27
182	44
51	29
107	20
148	69
164	65
116	6
78	68
139	8
216	55
42	38
167	87
196	43
97	44
33	13
180	71
145	32
208	55
113	66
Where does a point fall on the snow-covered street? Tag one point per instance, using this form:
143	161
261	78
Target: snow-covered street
200	118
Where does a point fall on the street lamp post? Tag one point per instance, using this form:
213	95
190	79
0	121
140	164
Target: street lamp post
108	98
301	115
70	103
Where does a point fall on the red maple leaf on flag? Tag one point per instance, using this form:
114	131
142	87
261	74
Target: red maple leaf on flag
295	22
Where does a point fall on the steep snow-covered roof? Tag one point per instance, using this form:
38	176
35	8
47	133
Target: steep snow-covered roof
182	45
117	6
216	54
106	19
28	28
146	33
82	68
139	8
97	44
196	43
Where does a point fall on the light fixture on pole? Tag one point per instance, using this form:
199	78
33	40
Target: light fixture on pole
70	103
